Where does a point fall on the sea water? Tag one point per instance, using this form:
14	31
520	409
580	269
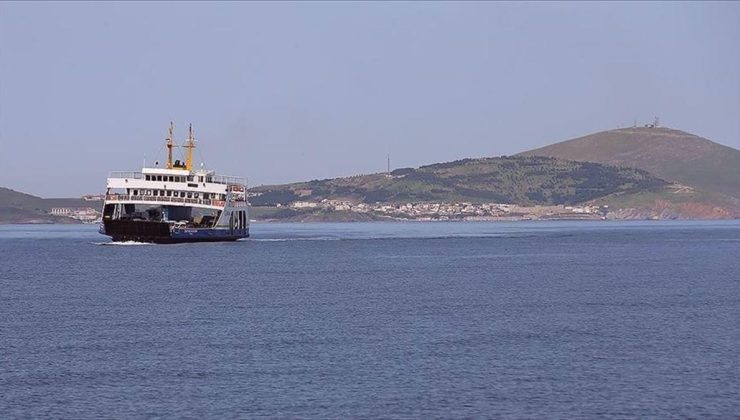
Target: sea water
530	319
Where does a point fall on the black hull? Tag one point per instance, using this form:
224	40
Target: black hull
159	233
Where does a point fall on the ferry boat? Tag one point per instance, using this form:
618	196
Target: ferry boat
175	203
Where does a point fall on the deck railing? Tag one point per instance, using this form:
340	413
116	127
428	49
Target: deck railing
160	199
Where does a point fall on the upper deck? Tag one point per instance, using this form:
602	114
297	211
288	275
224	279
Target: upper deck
177	187
174	175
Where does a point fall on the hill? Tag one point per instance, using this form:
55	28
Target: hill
673	155
18	207
520	180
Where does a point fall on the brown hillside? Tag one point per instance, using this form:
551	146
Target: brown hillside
671	154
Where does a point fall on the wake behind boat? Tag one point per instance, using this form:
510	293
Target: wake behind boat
176	203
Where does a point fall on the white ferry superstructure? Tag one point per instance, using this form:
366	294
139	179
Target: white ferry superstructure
176	203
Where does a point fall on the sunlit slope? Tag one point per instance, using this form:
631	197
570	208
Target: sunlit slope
673	155
520	180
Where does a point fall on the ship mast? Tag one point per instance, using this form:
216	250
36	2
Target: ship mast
190	145
170	144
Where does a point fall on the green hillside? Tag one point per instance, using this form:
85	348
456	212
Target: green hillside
670	154
18	207
520	180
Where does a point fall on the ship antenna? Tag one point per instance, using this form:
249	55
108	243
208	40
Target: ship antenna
190	146
170	144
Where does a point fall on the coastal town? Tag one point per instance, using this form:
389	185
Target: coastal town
88	211
430	211
408	211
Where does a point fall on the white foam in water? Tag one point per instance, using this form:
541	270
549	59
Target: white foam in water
318	238
125	243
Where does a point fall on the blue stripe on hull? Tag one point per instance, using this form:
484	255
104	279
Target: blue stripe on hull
193	234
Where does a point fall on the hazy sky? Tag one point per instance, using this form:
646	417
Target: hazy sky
283	92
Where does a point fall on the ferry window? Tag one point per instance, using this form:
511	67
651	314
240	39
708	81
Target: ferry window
190	195
147	177
159	177
169	193
170	178
136	192
205	196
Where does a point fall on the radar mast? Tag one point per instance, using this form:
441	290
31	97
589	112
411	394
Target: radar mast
170	144
190	145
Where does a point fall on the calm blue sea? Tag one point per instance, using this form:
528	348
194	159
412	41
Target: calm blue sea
392	320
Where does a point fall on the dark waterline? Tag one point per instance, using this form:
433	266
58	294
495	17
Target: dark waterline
375	320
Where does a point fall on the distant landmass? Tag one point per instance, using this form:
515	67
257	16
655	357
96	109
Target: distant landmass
673	155
629	173
18	207
520	180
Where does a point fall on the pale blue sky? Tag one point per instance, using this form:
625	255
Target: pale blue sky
283	92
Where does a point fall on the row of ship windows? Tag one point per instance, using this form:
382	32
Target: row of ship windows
181	194
175	178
